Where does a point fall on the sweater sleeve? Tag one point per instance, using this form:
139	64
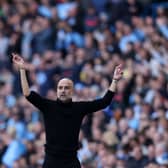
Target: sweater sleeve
35	99
98	104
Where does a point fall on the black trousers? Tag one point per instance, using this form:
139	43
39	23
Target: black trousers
51	161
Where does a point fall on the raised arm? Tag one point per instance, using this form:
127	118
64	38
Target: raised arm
19	63
98	104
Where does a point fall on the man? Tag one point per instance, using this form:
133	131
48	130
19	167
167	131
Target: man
63	117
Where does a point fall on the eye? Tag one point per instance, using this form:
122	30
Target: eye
60	87
67	87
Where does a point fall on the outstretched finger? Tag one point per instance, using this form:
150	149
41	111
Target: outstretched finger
120	66
14	56
119	69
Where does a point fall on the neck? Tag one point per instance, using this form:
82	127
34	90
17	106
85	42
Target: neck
64	101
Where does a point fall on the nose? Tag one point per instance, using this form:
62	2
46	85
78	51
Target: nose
63	90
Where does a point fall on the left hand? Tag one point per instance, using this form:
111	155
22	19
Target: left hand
118	72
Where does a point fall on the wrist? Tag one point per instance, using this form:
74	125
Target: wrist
114	80
21	68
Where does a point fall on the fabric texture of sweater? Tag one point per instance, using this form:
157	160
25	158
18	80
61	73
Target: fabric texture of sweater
63	121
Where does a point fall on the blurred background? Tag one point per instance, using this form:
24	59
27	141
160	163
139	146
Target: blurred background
84	40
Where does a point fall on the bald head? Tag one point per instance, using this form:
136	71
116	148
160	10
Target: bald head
67	81
65	89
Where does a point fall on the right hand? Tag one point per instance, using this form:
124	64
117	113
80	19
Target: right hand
18	61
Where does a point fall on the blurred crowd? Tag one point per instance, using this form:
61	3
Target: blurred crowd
84	40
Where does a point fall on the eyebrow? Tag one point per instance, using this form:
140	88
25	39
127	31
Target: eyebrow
67	86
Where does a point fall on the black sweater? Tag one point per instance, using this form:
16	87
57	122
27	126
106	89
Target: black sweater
63	120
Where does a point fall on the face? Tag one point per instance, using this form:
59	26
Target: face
65	89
